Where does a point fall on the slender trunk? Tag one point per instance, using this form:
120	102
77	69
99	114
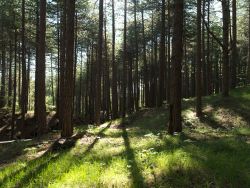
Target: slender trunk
58	58
14	87
248	72
198	62
37	52
10	87
145	66
62	64
169	54
114	69
3	89
52	79
107	80
28	78
24	78
40	114
234	46
80	101
124	84
137	89
67	129
92	84
209	64
162	57
98	66
75	66
203	52
225	59
88	83
175	124
19	74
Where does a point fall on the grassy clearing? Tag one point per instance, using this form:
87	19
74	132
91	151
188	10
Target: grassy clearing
213	152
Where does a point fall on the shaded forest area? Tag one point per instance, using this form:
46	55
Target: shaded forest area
80	77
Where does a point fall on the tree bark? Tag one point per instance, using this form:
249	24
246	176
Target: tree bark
10	87
3	79
234	46
162	57
98	66
24	78
67	129
40	114
124	80
114	69
62	64
175	124
248	72
198	62
137	87
169	53
145	64
209	64
225	59
14	87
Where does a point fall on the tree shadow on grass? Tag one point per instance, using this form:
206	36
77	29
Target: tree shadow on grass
55	153
238	105
137	177
11	151
215	162
148	121
211	122
35	167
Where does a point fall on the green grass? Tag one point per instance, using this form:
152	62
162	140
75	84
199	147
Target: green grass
212	152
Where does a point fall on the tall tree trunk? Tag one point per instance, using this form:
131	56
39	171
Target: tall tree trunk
234	46
130	84
203	52
162	57
124	80
175	124
52	79
169	53
67	129
75	65
62	64
114	69
10	87
19	74
3	78
40	114
98	66
87	93
137	89
24	78
14	87
198	62
248	72
58	57
225	58
145	66
37	51
92	84
107	80
28	78
80	101
209	64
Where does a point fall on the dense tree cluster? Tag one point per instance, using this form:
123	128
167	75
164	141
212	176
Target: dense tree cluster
70	57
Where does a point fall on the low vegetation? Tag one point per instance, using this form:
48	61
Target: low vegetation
138	152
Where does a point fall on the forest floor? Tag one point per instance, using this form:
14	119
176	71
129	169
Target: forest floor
138	152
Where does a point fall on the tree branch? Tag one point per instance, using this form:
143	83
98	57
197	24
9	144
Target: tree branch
211	33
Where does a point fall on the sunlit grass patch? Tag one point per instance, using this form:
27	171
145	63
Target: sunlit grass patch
137	151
